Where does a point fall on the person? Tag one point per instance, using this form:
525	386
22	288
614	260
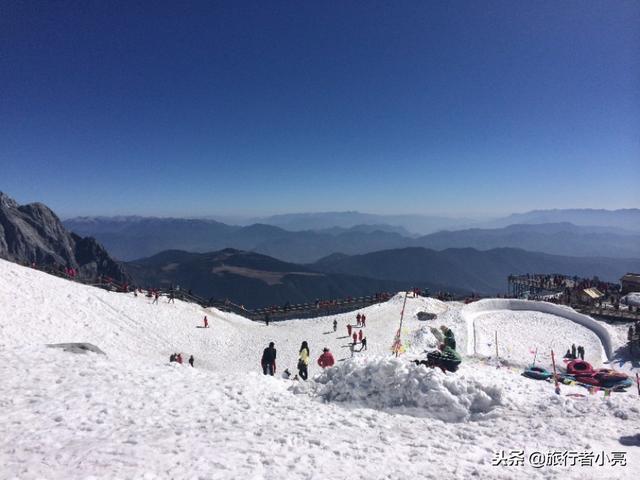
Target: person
335	325
449	337
568	355
360	335
172	357
206	322
573	350
191	360
581	352
364	344
630	333
363	320
446	358
326	359
172	298
179	358
266	319
155	297
268	360
358	317
303	361
355	337
349	329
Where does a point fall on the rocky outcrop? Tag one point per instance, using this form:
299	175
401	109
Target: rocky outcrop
34	234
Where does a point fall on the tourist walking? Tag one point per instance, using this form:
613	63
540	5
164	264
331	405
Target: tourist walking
303	361
268	360
326	360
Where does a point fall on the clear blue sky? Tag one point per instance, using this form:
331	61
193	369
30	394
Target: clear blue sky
194	108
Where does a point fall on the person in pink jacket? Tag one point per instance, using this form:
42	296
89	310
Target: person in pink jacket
326	359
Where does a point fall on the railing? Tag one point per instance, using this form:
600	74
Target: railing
276	313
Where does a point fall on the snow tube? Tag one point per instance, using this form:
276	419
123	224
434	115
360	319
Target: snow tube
537	373
579	368
603	378
610	378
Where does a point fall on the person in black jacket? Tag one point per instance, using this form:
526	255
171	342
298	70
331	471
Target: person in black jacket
268	360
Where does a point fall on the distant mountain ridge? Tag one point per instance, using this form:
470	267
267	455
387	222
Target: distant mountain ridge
484	272
553	238
138	237
34	234
626	218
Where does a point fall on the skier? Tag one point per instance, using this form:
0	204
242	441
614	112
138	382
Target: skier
335	325
206	322
360	335
191	360
349	329
303	361
179	358
355	338
364	344
268	360
326	359
358	317
363	320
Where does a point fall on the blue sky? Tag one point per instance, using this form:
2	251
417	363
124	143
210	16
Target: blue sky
196	108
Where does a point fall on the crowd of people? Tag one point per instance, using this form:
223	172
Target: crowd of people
177	357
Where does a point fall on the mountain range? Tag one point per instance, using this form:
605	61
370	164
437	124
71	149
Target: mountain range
257	280
130	238
483	272
252	279
33	233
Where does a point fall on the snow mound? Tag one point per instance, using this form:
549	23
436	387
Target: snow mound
392	384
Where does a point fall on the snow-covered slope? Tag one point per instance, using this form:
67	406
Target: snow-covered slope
131	414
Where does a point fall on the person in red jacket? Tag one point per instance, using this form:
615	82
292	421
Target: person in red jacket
358	319
179	358
360	335
326	359
349	329
363	320
355	337
206	322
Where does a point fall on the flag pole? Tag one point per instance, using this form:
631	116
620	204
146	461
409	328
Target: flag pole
555	375
400	328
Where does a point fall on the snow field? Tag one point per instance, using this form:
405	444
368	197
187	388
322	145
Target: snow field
520	333
131	414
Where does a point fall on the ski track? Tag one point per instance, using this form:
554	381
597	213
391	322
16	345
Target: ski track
131	414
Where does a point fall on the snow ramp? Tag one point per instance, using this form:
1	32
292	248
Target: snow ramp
472	310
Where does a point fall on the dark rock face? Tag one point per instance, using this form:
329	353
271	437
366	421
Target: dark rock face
34	234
